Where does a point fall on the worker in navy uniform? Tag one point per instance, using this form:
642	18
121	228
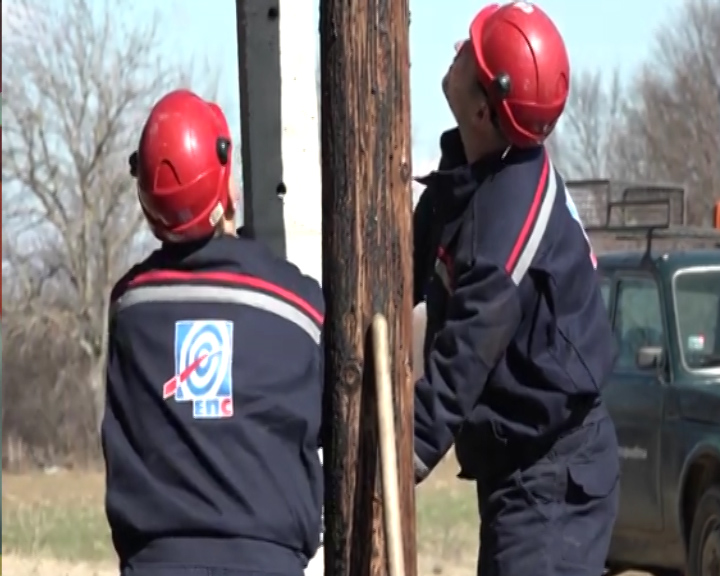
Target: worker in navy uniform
518	344
214	374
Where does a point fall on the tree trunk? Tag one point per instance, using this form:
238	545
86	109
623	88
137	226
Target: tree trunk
97	385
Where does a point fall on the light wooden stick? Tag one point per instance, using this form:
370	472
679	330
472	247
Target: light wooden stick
388	447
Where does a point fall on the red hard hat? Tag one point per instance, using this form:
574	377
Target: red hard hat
182	167
523	66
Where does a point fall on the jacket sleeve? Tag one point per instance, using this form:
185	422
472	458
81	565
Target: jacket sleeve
425	239
484	309
483	315
422	229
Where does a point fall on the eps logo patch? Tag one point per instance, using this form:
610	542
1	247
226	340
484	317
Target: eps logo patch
203	368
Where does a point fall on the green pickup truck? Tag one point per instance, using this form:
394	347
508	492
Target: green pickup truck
664	394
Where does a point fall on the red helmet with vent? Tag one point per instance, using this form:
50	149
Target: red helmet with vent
182	167
523	66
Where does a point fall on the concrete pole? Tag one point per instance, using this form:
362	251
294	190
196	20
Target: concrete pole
277	48
302	215
258	34
301	135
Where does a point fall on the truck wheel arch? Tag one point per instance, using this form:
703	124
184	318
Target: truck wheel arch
700	471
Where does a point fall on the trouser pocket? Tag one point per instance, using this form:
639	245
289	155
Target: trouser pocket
591	501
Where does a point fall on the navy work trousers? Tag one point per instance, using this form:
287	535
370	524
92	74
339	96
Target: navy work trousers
554	516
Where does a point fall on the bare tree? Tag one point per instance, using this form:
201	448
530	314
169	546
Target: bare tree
585	142
664	127
77	84
673	126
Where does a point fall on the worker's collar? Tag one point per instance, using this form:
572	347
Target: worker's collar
452	158
452	151
179	251
456	180
182	249
453	155
454	168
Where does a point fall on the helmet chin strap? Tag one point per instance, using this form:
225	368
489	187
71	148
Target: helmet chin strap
507	151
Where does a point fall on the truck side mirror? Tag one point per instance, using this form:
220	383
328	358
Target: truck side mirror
649	357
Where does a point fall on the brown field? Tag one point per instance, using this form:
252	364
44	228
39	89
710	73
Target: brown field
53	525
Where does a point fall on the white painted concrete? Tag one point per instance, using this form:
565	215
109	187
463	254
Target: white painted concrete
316	567
302	213
419	326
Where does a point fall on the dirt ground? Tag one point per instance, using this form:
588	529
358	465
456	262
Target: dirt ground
18	566
14	565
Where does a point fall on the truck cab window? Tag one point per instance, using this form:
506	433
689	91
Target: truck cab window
638	320
697	307
605	286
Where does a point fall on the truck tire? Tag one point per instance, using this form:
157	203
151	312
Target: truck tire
704	548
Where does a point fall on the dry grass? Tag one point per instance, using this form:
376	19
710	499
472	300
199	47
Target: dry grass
54	525
59	518
21	566
55	515
448	527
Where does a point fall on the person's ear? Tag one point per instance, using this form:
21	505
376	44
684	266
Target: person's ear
481	113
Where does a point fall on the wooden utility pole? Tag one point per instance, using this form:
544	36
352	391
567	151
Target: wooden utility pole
367	253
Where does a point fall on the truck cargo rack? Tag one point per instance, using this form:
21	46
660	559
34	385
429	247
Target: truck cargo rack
636	211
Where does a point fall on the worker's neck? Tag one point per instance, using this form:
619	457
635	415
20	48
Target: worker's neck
478	147
228	227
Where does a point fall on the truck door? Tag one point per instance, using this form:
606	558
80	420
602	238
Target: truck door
635	400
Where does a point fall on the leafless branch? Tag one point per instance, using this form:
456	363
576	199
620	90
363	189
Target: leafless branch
677	118
665	125
77	84
590	125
